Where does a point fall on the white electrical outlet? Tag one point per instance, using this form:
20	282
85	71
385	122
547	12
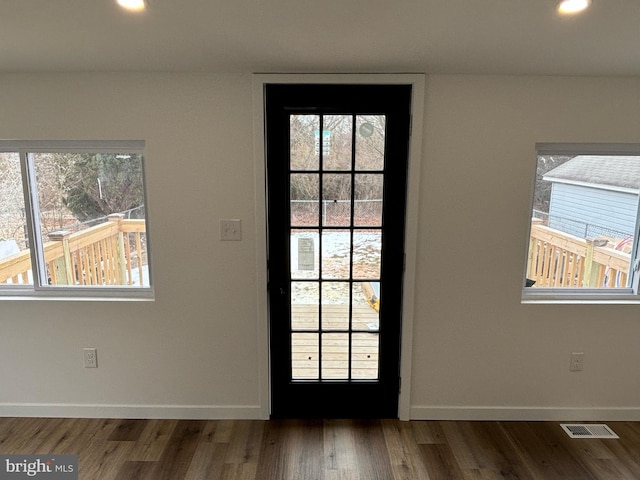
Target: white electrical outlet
577	361
90	356
230	229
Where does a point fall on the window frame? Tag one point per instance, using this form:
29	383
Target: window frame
627	295
40	290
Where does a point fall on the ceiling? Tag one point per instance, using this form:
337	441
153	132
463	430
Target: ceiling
432	36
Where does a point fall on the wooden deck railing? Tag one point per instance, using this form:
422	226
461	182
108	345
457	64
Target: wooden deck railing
558	259
107	254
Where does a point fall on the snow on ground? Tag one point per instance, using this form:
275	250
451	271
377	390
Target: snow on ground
335	254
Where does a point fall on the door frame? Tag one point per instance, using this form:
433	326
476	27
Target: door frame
417	81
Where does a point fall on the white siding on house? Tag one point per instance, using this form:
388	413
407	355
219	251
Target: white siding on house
589	212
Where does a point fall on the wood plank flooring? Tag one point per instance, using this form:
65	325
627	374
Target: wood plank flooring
111	449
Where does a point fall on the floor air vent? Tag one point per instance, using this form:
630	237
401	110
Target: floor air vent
588	430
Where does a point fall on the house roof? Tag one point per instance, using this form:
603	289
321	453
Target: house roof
513	37
614	172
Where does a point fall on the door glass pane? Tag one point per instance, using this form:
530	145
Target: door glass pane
368	199
335	356
364	356
305	356
336	199
367	248
336	254
303	149
321	309
304	305
335	305
370	142
337	137
366	305
92	216
304	254
305	199
15	259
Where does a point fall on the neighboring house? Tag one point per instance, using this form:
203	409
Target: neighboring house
595	196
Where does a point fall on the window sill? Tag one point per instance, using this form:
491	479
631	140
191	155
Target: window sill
579	298
69	295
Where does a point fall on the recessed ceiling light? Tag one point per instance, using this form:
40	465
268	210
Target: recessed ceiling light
568	7
134	5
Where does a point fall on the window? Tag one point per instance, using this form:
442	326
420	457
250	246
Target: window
73	219
583	241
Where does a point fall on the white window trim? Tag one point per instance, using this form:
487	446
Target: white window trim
531	295
37	291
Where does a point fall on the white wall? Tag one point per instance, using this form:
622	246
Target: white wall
196	350
478	352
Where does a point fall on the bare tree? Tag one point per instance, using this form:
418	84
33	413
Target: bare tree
336	142
12	214
542	193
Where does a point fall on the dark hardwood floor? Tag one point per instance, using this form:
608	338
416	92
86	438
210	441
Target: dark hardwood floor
325	450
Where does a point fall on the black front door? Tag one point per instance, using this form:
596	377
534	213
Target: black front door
336	192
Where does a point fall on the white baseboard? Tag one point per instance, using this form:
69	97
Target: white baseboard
525	413
179	412
255	412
